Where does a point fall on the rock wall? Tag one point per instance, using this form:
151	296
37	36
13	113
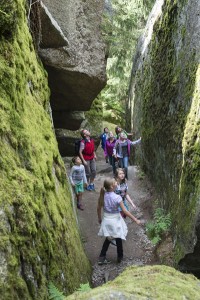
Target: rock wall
164	104
39	239
73	53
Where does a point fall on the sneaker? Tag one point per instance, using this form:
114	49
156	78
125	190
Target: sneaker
103	261
119	259
79	206
92	187
88	188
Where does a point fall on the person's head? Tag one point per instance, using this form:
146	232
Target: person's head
76	160
123	135
109	184
120	175
118	129
106	130
85	133
110	135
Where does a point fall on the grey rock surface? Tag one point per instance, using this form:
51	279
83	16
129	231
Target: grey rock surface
73	53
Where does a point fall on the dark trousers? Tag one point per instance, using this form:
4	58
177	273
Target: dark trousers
106	245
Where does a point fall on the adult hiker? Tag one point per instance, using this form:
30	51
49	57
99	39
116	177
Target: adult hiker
122	150
88	157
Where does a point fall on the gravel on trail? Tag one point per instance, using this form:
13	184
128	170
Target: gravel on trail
138	250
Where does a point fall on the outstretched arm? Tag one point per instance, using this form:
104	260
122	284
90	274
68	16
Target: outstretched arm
128	198
136	142
128	214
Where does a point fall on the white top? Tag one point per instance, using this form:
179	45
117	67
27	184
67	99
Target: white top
77	174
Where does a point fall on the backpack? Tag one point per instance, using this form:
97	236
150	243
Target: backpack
77	146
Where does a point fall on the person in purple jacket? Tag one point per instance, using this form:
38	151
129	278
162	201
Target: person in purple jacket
108	150
122	150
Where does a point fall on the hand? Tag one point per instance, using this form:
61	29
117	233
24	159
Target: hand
85	163
142	222
134	207
100	221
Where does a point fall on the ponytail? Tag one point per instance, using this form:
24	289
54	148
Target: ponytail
101	197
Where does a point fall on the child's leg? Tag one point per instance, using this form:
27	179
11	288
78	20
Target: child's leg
79	201
119	249
102	256
104	248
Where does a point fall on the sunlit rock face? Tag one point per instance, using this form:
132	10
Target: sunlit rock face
73	54
164	105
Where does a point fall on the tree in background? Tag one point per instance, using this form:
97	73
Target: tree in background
121	31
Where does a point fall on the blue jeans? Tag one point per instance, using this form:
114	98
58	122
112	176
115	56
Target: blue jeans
112	161
123	163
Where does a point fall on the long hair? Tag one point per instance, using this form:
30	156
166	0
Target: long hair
117	173
107	185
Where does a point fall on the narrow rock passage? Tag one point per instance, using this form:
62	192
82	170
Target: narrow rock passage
138	250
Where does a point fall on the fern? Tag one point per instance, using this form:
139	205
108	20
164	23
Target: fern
159	226
54	293
84	287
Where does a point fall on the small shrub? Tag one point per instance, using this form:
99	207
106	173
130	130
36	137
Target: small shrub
159	226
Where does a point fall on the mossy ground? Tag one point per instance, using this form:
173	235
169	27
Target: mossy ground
39	241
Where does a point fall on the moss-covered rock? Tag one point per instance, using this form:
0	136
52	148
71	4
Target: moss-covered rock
150	282
39	240
166	96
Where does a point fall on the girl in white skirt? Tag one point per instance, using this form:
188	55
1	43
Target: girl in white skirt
112	224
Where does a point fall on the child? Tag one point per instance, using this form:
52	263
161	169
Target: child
78	178
122	150
112	224
121	189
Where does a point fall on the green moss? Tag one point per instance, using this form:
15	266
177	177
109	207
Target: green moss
166	110
39	235
149	282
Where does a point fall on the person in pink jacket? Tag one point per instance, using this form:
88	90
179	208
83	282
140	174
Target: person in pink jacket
108	150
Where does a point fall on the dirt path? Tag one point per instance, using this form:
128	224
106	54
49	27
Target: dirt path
138	250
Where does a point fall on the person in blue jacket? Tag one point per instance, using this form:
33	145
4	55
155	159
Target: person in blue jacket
104	137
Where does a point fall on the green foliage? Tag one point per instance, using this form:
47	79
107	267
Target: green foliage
84	287
121	32
159	226
54	293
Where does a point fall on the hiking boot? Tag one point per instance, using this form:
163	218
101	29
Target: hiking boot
103	261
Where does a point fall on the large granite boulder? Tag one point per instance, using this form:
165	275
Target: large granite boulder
73	53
